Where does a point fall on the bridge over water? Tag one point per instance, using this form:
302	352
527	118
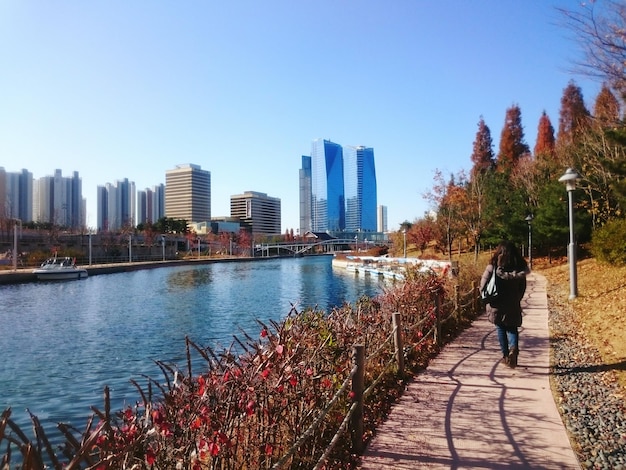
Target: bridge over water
299	248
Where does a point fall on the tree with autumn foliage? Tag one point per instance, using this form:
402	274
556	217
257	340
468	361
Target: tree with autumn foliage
422	232
545	148
573	119
482	152
483	166
512	144
451	201
607	110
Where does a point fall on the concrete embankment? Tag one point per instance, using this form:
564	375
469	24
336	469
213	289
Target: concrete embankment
23	275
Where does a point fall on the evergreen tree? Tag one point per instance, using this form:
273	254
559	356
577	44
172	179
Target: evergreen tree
512	145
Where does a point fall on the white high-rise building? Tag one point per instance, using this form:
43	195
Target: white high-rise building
58	200
151	204
116	205
381	218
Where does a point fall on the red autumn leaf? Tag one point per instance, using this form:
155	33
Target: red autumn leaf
279	349
201	383
214	449
150	457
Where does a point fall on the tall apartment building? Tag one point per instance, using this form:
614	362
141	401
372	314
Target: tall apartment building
360	189
16	195
258	211
116	205
381	219
151	204
58	200
188	193
339	187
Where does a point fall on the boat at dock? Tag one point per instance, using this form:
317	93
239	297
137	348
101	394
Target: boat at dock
60	269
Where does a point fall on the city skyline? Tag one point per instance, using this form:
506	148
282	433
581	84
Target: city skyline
241	89
337	188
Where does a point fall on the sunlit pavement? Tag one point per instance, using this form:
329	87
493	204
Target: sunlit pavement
469	411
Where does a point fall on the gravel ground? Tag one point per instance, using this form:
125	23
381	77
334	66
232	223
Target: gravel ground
591	402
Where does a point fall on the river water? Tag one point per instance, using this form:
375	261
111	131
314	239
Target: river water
62	342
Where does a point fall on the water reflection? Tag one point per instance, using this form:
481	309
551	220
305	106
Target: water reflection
61	343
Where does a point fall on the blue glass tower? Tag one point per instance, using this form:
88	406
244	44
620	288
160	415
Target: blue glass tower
328	212
360	189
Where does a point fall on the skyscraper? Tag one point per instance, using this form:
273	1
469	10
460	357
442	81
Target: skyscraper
258	211
305	195
338	189
328	210
360	189
188	193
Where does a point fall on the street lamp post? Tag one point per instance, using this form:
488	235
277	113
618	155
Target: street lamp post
163	245
529	219
90	247
17	221
130	248
198	247
569	179
404	236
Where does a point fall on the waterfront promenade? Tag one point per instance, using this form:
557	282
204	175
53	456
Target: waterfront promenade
468	411
8	276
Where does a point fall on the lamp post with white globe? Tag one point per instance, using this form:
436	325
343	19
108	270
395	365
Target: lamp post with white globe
569	178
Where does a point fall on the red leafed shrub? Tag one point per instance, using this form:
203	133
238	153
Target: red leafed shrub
249	404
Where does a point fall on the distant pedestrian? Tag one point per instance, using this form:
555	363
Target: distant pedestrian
505	312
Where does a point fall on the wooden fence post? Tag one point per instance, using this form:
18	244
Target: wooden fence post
457	303
474	298
437	320
397	340
358	385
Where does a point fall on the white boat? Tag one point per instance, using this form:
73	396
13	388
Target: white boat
59	269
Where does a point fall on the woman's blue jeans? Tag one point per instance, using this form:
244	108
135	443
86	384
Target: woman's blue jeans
508	338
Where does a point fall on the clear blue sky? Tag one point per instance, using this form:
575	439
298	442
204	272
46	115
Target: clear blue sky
129	89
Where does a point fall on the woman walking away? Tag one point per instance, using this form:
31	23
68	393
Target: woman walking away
505	311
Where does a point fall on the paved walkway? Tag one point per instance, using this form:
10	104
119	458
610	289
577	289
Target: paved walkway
468	411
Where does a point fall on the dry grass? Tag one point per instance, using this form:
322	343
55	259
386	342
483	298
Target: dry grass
600	308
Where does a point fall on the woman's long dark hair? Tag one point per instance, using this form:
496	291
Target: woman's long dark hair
508	256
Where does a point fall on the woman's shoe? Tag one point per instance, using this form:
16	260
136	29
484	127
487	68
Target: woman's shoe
505	360
512	362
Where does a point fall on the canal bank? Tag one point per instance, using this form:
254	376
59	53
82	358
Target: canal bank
24	275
